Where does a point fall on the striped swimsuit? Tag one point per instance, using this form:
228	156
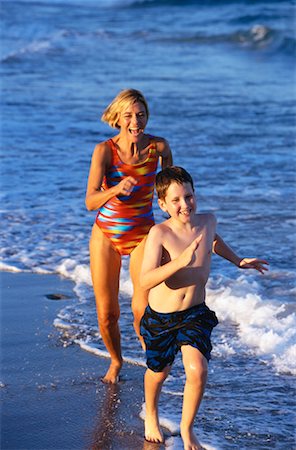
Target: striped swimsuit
126	219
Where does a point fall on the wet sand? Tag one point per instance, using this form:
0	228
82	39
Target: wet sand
52	396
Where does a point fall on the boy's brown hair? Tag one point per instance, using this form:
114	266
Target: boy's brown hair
169	175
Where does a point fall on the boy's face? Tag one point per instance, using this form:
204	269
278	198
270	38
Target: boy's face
179	202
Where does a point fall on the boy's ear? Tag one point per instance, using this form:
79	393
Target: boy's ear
162	205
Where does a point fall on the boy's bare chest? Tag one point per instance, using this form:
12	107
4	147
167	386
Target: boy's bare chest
174	246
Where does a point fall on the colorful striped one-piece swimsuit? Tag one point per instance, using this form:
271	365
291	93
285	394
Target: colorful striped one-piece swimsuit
126	219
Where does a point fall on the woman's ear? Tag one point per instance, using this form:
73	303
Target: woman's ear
162	205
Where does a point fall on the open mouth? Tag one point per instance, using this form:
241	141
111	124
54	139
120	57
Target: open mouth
186	212
135	131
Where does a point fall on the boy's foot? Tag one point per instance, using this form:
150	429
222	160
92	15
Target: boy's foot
112	375
190	441
153	432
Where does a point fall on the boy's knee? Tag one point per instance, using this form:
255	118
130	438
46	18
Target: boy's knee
197	373
158	377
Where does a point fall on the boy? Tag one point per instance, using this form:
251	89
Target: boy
175	270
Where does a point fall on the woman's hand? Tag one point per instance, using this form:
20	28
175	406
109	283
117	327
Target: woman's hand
254	263
125	186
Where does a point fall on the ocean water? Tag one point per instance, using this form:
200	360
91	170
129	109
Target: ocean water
219	77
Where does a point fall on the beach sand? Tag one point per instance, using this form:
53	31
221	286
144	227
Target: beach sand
52	396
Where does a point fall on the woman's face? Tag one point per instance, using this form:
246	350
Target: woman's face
133	120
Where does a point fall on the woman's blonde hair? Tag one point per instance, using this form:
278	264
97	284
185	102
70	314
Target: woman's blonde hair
121	102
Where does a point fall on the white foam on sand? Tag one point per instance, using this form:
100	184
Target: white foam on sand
79	273
9	268
174	442
91	348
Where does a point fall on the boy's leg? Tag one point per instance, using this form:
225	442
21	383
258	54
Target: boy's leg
153	384
196	370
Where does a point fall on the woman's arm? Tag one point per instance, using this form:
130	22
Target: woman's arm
95	197
165	153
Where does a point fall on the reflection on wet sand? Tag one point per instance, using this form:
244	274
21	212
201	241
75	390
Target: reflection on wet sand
106	419
152	446
114	425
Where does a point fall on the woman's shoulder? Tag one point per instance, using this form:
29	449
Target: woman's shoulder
161	144
103	150
104	145
158	140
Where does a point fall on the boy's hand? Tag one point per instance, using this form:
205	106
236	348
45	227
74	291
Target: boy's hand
254	263
187	256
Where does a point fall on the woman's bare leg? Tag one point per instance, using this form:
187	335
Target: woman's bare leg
105	264
140	296
153	385
196	369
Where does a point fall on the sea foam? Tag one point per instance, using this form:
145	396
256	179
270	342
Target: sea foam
168	422
263	327
92	348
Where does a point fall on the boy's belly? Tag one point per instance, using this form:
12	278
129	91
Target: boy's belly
164	299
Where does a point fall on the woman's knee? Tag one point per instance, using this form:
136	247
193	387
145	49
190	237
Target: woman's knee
107	319
138	307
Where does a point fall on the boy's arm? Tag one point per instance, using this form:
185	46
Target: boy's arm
222	249
254	263
152	273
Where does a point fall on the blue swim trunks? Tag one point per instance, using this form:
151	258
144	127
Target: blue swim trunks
165	333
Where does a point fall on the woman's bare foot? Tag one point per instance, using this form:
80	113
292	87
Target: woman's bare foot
153	432
190	441
112	375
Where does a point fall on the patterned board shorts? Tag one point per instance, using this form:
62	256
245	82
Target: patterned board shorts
165	333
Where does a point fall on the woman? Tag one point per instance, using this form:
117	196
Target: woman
120	186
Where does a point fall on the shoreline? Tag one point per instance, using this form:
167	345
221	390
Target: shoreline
52	396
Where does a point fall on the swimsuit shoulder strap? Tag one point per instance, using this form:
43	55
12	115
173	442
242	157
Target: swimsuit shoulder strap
114	155
153	146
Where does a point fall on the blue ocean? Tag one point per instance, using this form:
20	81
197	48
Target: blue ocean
219	77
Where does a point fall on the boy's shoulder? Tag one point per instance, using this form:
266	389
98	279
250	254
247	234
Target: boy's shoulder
206	217
167	227
160	227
